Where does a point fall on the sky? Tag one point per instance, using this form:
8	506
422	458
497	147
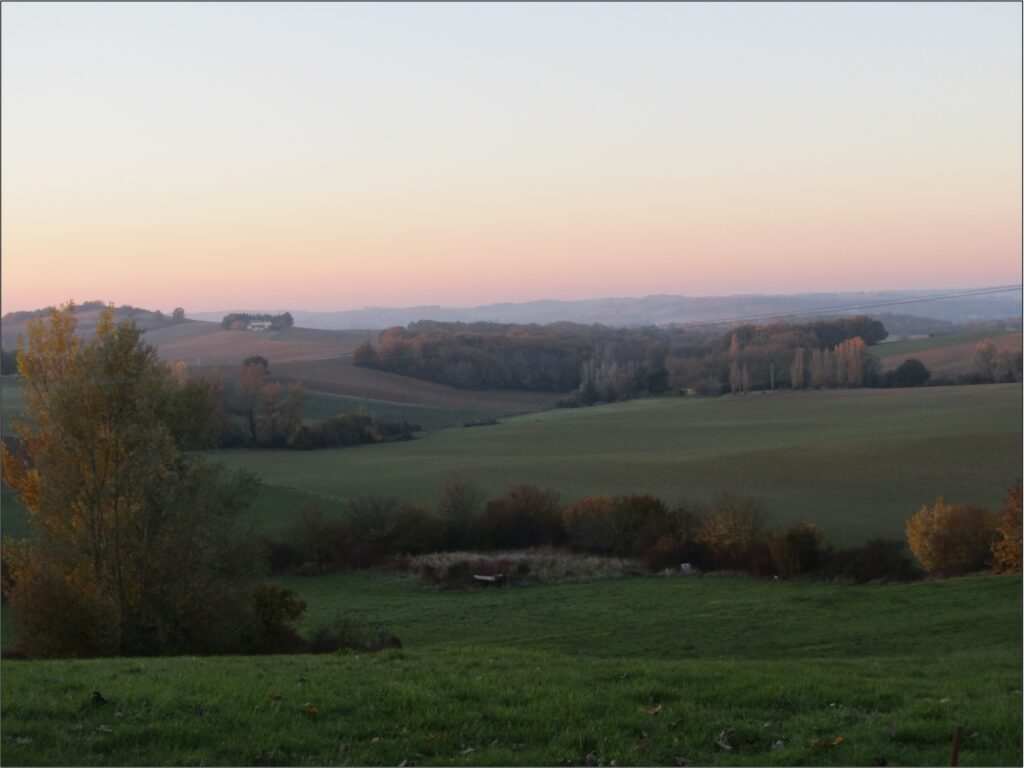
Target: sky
333	156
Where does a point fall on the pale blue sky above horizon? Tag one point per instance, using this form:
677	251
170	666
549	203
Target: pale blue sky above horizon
332	156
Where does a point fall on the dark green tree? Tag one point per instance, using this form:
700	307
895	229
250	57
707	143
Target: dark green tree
910	373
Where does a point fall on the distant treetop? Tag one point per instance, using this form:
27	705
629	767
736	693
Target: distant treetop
242	320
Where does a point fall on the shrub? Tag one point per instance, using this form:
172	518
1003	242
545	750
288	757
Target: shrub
590	525
53	621
275	607
365	355
877	560
623	525
316	542
419	530
733	532
526	516
1007	548
797	550
282	556
460	506
350	429
378	527
949	540
643	519
670	551
910	373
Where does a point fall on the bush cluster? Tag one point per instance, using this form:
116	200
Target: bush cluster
351	429
377	528
727	534
626	526
951	540
877	560
1007	547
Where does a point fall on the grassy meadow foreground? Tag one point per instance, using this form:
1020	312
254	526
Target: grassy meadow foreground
857	463
640	671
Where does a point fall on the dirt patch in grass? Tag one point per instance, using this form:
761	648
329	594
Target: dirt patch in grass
465	570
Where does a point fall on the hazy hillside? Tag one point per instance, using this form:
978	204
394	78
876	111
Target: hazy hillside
154	322
664	309
220	347
950	355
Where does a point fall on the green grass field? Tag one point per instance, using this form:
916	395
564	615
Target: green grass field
273	505
317	406
322	405
639	671
857	462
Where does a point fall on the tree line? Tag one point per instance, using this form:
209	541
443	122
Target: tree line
727	533
598	363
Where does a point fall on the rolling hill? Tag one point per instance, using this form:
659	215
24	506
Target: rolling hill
857	463
213	346
948	355
665	309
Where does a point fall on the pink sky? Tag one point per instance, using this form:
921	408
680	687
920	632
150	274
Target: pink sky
332	157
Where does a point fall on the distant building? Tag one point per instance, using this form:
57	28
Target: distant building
258	325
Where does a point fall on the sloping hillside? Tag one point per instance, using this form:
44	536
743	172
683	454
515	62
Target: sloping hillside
220	347
339	376
15	324
857	463
945	355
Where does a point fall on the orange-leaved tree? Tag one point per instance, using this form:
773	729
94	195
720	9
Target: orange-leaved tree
138	548
949	540
1007	548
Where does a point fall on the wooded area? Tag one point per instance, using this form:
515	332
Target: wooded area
599	363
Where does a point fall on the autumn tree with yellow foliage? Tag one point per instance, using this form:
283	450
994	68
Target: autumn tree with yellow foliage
949	540
138	547
1007	548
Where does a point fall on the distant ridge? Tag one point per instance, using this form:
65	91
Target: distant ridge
662	309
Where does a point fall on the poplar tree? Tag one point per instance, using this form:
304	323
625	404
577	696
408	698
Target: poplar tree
735	378
796	370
